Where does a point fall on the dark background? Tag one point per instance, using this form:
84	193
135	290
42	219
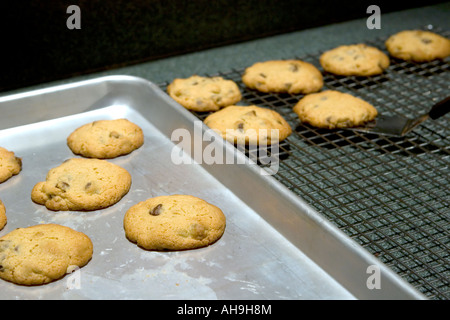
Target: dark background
38	47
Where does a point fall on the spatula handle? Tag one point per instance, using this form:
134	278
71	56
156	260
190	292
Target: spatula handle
440	108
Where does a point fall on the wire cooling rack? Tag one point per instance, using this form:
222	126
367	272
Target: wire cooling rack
390	195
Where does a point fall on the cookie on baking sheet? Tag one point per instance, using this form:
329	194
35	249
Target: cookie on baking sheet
82	184
249	125
283	76
333	109
105	139
10	165
354	60
418	46
42	253
174	222
203	94
2	215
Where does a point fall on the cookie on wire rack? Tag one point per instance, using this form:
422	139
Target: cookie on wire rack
204	94
418	46
333	109
354	60
283	76
249	125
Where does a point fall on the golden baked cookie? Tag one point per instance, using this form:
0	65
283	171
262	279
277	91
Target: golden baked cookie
2	215
249	125
418	46
42	253
105	139
203	94
333	109
354	60
10	165
174	222
82	184
283	76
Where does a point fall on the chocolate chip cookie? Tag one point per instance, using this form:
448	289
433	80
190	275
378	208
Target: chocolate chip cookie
10	165
204	94
82	184
249	125
354	60
333	109
418	46
106	139
174	222
42	253
283	76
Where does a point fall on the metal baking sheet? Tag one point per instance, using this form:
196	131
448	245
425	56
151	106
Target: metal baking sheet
275	246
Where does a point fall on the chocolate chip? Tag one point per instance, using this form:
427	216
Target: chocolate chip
88	185
426	40
114	134
198	231
216	98
293	67
156	211
263	75
240	126
250	113
62	185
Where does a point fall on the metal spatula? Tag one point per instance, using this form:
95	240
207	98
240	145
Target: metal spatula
398	125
